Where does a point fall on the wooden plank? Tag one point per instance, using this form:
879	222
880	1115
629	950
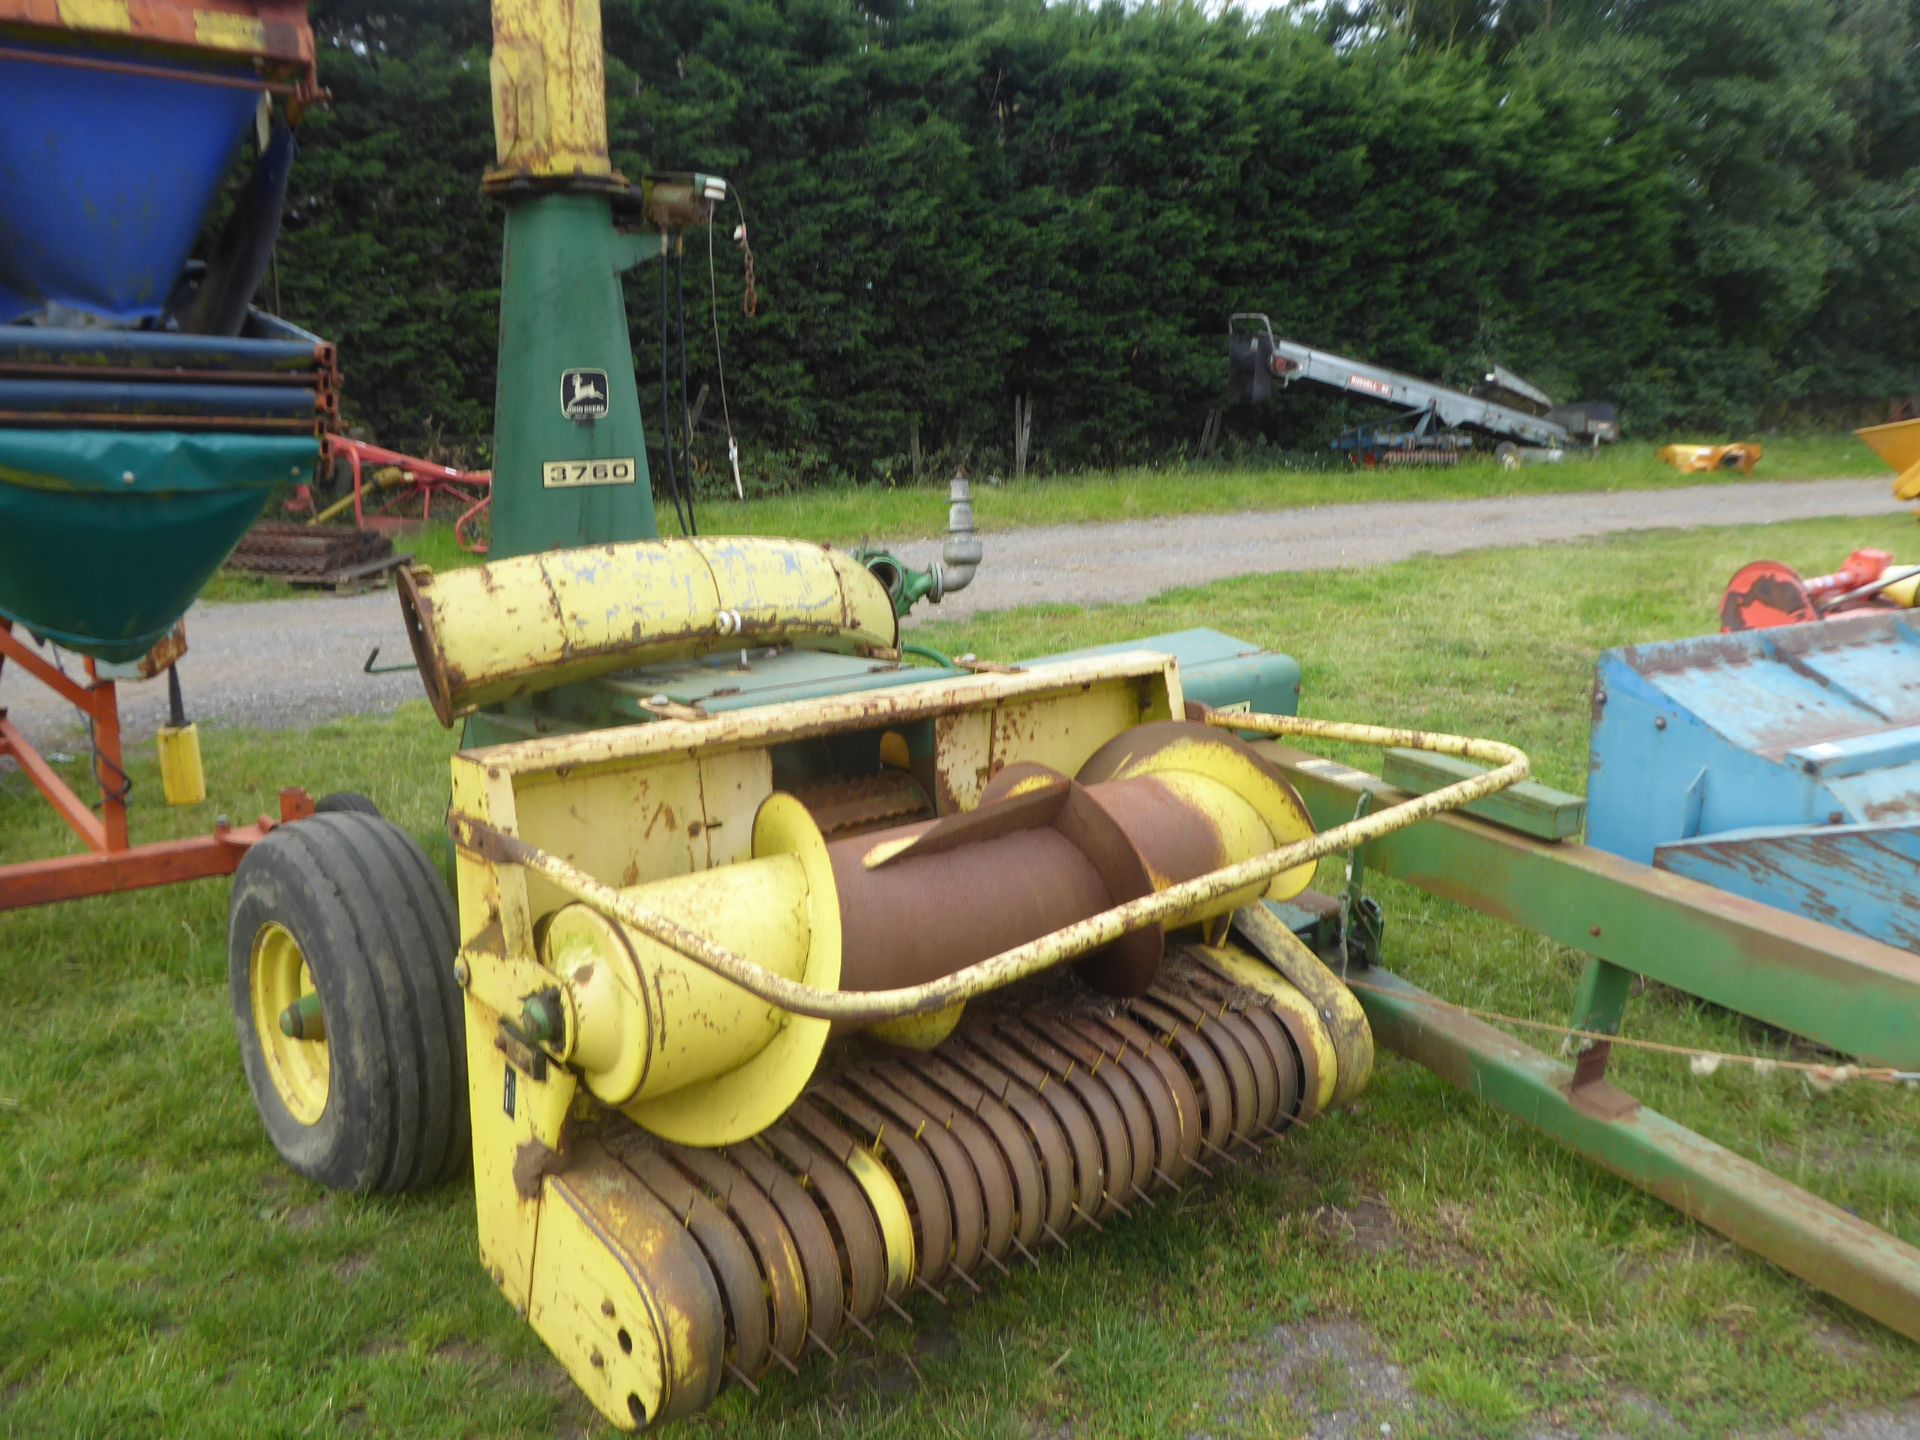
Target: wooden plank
1536	810
349	579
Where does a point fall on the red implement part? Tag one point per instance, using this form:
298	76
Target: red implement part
426	482
1863	567
1766	593
1763	595
111	863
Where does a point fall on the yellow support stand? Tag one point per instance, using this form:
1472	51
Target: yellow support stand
181	775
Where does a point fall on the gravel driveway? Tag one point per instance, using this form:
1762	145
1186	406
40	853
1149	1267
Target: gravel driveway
297	662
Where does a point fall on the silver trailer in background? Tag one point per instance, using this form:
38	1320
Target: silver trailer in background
1438	421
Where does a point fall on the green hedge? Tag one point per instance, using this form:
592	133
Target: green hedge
1702	209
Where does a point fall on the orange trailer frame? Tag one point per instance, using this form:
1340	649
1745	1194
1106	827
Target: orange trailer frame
110	863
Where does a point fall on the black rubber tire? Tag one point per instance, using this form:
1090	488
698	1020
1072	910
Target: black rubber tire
376	928
345	802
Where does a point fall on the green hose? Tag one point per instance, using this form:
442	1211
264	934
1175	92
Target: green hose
927	652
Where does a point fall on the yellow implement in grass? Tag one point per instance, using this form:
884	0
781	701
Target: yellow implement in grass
1699	459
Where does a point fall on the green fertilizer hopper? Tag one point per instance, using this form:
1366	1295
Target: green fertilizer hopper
107	536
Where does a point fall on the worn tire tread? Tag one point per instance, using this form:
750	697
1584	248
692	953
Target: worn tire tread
372	914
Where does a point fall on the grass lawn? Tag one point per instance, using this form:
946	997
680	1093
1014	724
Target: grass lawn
850	514
1419	1260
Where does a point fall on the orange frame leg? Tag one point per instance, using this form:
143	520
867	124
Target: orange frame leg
111	863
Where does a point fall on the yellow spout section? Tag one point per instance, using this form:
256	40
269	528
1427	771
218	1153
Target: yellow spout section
549	92
520	626
1898	444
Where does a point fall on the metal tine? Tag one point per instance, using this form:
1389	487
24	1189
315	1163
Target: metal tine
854	1320
966	1279
738	1376
1144	1198
1168	1180
1032	1258
1098	1228
898	1309
995	1261
1223	1155
1205	1173
791	1368
931	1291
913	1367
1054	1235
826	1349
1125	1213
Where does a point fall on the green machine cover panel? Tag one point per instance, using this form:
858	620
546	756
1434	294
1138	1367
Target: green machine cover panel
107	536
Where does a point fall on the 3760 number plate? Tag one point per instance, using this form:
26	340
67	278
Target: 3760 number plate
565	474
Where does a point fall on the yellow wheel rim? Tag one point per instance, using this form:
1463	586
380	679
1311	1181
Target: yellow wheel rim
278	977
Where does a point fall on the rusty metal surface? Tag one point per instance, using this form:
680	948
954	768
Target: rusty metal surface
285	547
1082	1179
841	807
819	1258
960	1180
920	917
727	1252
863	1258
907	1157
987	1158
1173	1079
1115	1170
1023	1160
1136	1112
1029	1125
1043	1130
1203	1065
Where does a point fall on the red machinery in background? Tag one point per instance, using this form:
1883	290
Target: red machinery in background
397	481
1768	593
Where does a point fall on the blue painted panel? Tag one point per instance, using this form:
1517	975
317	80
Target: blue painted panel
1658	772
1888	794
1860	878
1807	725
105	181
88	396
1868	655
1857	754
1773	690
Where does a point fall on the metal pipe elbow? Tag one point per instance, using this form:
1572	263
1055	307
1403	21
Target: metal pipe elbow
961	555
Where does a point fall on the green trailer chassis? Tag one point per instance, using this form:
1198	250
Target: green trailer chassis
1852	994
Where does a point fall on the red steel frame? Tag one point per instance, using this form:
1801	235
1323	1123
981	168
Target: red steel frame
426	479
110	863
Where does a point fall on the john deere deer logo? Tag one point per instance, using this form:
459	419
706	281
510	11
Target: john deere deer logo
583	394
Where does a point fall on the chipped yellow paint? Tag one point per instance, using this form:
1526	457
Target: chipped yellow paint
548	76
684	1053
1302	1020
514	627
223	30
1338	1006
95	15
890	1209
623	1297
